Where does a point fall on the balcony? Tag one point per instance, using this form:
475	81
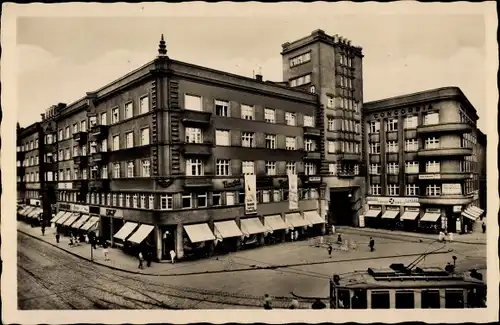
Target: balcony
312	155
80	137
350	157
49	166
444	128
197	149
48	147
311	131
204	181
98	132
445	152
80	184
98	158
445	176
196	118
98	184
446	199
81	161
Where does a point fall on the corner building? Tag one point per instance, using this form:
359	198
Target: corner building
158	158
422	154
331	67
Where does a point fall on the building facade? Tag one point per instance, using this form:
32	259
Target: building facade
331	67
422	163
482	164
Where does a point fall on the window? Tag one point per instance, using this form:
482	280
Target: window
193	103
247	139
104	172
411	145
116	142
411	190
431	118
330	102
201	200
331	124
36	160
392	124
66	135
60	138
221	108
93	147
75	128
116	170
146	168
127	200
247	167
374	169
194	167
151	201
247	112
37	176
265	196
75	151
374	147
432	166
229	198
375	189
67	155
433	190
380	300
84	173
430	299
270	168
411	167
166	202
104	119
144	104
392	189
222	138
187	201
310	145
300	81
134	201
115	203
291	167
115	115
411	122
223	167
270	115
130	169
193	135
303	58
332	169
405	299
129	139
392	168
309	121
129	110
291	143
104	145
276	195
332	146
270	141
374	127
216	199
432	143
290	118
454	298
392	146
309	168
144	136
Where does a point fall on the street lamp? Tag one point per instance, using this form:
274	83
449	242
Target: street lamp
91	252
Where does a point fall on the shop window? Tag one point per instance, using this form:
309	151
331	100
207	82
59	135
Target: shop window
405	300
276	195
229	198
381	300
241	197
454	298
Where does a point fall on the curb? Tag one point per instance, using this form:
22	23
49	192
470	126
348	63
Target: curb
396	235
270	267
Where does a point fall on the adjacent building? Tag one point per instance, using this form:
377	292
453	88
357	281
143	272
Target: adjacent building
423	171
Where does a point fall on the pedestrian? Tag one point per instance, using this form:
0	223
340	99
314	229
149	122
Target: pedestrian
292	235
57	238
141	259
267	302
372	244
333	229
318	304
330	249
172	255
296	234
105	252
339	239
321	240
294	304
483	226
149	257
71	241
43	230
86	238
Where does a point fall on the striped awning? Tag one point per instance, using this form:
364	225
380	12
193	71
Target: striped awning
126	230
467	213
72	218
199	232
58	215
274	222
252	226
34	213
65	217
78	223
477	210
431	217
296	220
390	214
90	223
27	210
227	229
314	217
23	211
410	215
140	234
373	213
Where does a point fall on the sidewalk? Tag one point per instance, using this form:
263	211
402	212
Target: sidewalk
476	237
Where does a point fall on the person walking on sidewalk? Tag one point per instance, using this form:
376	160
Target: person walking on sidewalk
372	244
43	230
483	226
172	256
330	248
149	258
105	252
267	302
57	238
141	260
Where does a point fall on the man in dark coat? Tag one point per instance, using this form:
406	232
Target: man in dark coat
372	244
318	304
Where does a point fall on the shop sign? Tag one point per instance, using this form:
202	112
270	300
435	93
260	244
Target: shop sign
429	176
35	202
392	208
81	208
282	182
374	207
65	186
107	212
457	208
250	194
433	210
65	206
412	209
314	179
390	200
231	184
452	189
293	193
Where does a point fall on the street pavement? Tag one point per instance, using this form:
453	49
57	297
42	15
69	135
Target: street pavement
238	280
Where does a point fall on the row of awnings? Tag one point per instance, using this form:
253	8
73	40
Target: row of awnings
471	212
75	220
133	232
251	226
30	211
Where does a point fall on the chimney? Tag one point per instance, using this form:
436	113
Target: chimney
258	76
43	116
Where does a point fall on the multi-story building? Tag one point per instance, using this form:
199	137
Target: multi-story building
481	165
332	68
422	161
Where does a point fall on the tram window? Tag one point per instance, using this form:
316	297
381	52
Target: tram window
476	297
359	299
381	300
405	300
344	297
430	299
454	299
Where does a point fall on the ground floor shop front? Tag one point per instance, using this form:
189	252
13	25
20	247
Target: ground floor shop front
406	213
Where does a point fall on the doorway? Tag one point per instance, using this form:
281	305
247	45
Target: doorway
340	211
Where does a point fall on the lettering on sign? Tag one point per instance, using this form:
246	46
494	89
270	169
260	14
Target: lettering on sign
229	184
314	179
455	189
64	206
433	210
429	176
457	208
386	200
110	212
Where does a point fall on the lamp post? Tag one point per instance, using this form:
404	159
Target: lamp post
91	252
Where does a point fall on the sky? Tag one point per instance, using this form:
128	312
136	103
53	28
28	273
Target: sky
62	58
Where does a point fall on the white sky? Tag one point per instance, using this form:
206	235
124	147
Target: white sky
61	58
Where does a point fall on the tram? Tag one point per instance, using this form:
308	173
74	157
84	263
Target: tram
407	287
